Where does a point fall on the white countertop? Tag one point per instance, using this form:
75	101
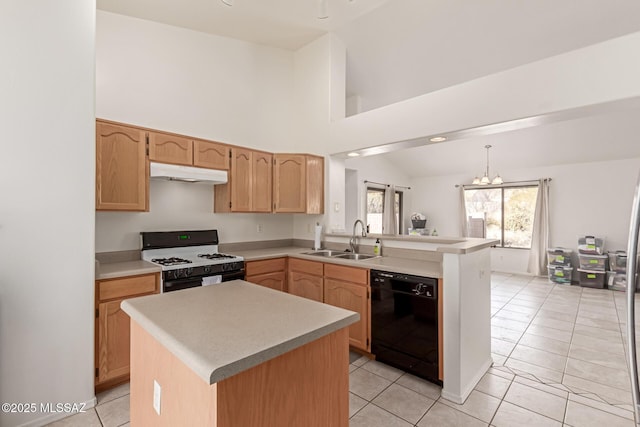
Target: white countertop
392	264
221	330
126	268
452	245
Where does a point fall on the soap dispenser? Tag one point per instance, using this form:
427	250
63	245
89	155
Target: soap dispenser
377	248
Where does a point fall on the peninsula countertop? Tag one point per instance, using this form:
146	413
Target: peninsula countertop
221	330
387	263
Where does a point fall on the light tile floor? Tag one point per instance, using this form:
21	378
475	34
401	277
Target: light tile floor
559	360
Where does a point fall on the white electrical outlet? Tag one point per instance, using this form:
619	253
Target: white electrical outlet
259	228
157	393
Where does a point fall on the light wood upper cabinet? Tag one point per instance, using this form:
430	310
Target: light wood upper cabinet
249	186
183	150
261	184
289	183
241	179
112	326
315	184
122	178
298	183
168	148
207	154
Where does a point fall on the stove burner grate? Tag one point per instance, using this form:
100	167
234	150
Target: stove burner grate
171	261
215	256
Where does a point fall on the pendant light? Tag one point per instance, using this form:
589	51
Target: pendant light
485	180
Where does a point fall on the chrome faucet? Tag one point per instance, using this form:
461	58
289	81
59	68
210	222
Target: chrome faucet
353	241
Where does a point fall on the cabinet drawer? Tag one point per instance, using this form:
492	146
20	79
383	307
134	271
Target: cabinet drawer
265	266
348	274
127	286
309	267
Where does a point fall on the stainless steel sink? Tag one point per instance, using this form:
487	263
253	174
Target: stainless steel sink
354	256
325	253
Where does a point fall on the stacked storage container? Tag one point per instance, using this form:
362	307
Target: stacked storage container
559	265
617	277
593	264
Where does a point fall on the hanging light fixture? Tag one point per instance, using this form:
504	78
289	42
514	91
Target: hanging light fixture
485	180
228	2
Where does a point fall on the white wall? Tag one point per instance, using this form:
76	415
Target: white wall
193	83
46	214
184	206
596	74
412	47
377	169
201	85
585	198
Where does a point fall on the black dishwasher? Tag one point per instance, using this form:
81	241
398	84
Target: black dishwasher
404	322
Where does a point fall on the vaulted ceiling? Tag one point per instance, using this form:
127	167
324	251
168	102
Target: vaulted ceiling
398	49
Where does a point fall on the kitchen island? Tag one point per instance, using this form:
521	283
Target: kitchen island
237	354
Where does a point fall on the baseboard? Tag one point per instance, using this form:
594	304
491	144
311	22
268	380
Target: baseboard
56	416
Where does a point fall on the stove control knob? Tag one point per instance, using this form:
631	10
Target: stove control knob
207	269
178	272
188	271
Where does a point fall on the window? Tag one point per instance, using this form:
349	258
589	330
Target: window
507	212
375	207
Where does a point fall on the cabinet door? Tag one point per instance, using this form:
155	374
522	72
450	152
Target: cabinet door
315	185
207	154
262	182
167	148
241	177
289	186
275	281
122	180
355	298
112	341
306	286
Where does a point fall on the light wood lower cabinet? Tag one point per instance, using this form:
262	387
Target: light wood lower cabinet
112	326
306	286
354	297
337	285
270	273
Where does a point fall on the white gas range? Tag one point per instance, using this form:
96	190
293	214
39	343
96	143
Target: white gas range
190	258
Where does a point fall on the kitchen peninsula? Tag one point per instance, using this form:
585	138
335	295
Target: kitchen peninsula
238	354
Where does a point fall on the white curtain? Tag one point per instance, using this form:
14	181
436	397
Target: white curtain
463	214
540	237
389	225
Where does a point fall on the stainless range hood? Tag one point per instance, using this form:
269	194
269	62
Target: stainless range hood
186	174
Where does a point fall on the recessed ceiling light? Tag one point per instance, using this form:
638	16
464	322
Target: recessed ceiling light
438	139
353	154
